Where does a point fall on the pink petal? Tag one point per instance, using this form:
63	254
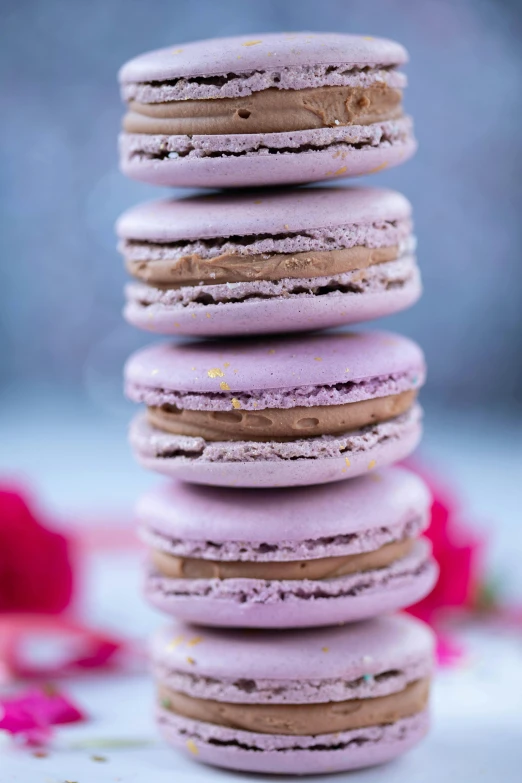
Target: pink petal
36	710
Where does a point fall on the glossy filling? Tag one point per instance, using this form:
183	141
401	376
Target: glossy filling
192	269
268	111
278	424
301	719
176	567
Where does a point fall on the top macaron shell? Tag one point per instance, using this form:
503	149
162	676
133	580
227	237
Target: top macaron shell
389	499
257	52
276	363
264	159
384	644
260	212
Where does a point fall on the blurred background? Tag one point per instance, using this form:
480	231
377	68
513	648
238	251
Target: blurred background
63	341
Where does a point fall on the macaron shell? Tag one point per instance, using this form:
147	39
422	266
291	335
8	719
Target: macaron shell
286	605
278	755
260	212
384	498
246	171
272	316
284	362
240	54
372	647
287	473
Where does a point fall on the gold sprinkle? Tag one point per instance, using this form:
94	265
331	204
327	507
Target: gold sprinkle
191	745
368	37
340	171
176	324
224	386
371	464
192	368
235	403
376	477
378	168
254	404
194	641
227	364
287	226
193	315
215	372
325	649
98	758
177	51
271	351
251	43
347	369
175	643
317	359
347	462
259	201
208	315
190	660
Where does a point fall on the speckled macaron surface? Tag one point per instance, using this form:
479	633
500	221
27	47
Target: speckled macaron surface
297	702
276	412
268	261
288	558
266	109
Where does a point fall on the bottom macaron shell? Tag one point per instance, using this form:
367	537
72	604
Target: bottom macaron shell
288	473
260	170
291	755
272	315
254	603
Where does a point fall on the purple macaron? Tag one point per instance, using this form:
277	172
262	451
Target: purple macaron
281	411
271	261
288	558
268	109
295	702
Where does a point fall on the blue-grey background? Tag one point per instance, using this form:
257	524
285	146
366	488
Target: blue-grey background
62	340
61	191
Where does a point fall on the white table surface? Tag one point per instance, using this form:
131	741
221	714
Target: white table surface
81	468
476	735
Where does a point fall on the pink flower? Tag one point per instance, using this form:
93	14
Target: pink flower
457	549
35	567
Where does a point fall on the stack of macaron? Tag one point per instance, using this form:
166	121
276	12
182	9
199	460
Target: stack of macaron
284	536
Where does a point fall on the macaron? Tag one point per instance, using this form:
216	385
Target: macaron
282	411
295	702
266	109
268	261
288	558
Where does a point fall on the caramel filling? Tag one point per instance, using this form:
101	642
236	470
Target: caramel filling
301	719
279	424
176	567
228	268
268	111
